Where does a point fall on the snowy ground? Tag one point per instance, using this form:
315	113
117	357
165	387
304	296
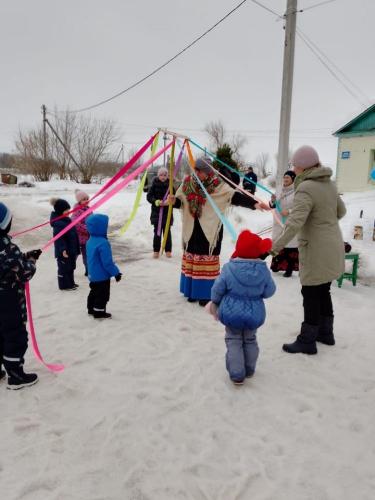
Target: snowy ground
144	409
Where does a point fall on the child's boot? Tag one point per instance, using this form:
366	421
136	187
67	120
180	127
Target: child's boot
17	378
102	315
305	343
325	334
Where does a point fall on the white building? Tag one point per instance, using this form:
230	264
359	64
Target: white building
356	153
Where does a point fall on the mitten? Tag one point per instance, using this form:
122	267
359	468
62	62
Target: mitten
33	254
118	277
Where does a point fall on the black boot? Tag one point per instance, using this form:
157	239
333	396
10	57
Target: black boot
204	302
325	334
17	378
102	315
305	342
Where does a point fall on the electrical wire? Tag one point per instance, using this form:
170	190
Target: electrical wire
335	66
316	5
314	51
156	70
267	8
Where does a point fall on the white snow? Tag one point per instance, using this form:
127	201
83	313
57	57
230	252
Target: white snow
145	410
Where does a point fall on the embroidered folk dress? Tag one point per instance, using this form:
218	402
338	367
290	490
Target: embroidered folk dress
202	237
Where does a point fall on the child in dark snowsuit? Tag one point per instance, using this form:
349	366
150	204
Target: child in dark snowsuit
155	196
16	269
66	247
237	300
83	235
100	264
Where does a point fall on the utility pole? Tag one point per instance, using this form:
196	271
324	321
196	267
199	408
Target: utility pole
286	93
44	111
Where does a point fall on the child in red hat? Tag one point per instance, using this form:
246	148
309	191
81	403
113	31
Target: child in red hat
237	300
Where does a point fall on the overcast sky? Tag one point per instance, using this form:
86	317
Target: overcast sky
78	52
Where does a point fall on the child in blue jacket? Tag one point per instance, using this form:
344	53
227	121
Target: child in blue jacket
100	265
66	247
237	300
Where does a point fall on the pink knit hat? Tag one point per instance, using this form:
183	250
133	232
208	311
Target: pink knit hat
305	157
80	195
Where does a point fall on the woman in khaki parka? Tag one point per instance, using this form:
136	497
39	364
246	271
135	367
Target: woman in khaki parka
314	219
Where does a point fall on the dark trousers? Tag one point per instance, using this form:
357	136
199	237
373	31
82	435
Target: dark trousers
157	239
98	296
65	272
13	333
317	302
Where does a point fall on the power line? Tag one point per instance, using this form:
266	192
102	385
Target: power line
164	64
314	51
332	63
316	5
267	8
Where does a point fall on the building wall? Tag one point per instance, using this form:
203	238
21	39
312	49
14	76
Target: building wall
353	174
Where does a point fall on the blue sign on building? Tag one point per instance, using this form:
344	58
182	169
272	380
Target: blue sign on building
345	155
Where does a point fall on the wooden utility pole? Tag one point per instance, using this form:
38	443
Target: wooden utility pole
286	93
44	111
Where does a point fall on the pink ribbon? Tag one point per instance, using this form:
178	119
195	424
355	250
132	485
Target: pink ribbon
109	183
51	367
107	196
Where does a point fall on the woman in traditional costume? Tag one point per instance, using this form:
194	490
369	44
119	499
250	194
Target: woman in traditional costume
202	230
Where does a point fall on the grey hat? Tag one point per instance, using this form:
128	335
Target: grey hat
204	165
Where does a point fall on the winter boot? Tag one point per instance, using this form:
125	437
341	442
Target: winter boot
305	342
203	302
102	315
325	334
17	378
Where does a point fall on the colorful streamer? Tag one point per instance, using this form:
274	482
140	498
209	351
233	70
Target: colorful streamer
221	216
139	191
109	183
107	196
34	343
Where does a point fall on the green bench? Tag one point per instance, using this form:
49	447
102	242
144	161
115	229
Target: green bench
354	257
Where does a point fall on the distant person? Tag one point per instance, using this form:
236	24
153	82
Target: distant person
66	247
100	266
81	207
237	300
287	258
250	185
155	196
317	208
16	269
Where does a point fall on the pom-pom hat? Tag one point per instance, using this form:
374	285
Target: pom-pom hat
5	216
251	246
81	195
305	157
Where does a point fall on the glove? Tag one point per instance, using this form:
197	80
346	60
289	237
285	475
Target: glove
118	277
33	254
264	256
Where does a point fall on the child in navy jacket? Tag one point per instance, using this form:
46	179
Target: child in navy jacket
16	269
100	266
237	301
66	247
